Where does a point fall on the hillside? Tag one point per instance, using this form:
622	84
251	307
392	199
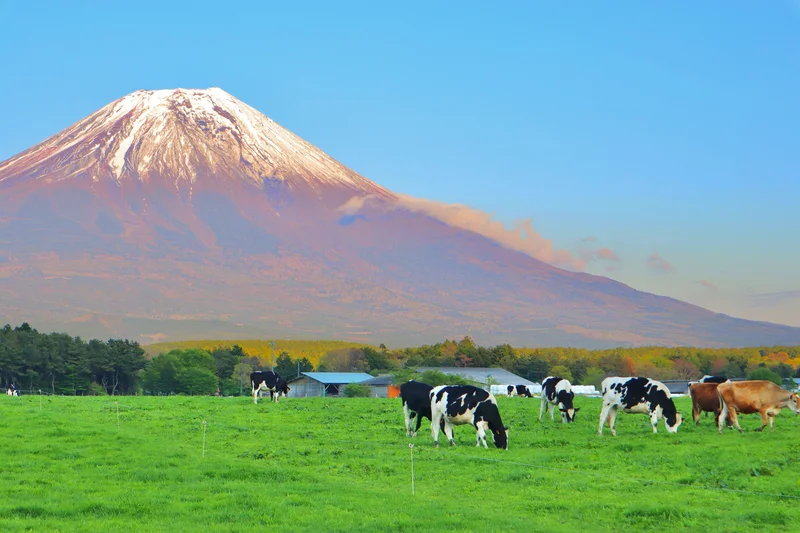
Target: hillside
297	349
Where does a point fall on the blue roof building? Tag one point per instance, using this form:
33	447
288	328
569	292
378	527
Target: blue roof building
323	383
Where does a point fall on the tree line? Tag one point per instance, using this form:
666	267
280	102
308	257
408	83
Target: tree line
61	364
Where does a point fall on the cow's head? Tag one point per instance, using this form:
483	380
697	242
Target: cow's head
500	437
566	405
794	403
673	423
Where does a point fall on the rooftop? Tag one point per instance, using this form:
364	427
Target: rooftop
498	376
338	377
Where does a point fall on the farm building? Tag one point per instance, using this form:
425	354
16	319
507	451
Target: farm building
381	387
324	383
496	378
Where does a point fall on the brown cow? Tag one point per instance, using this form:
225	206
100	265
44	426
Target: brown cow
705	399
763	397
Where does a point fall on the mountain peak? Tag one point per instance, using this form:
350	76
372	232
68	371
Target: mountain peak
178	135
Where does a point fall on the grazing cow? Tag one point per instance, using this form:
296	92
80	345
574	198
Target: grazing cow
416	404
558	391
705	399
638	395
713	379
12	390
465	404
268	381
519	390
747	397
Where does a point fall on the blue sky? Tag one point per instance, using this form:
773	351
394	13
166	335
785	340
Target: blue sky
667	128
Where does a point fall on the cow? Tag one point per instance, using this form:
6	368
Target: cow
268	381
416	404
558	391
465	404
713	379
638	395
763	397
705	399
12	390
519	390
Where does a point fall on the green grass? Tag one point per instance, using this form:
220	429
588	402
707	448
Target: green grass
344	465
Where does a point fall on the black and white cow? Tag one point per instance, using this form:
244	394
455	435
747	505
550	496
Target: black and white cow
268	381
713	379
12	390
465	404
557	391
638	395
519	390
416	404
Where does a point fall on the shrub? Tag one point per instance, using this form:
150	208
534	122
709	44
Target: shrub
356	390
766	374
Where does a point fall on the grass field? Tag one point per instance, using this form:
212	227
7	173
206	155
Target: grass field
342	464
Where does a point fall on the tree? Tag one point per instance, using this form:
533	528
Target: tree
196	381
344	360
356	390
284	366
224	362
766	374
685	369
562	372
594	376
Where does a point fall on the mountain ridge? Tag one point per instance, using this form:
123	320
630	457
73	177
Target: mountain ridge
167	214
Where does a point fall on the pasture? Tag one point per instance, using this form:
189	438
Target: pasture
340	464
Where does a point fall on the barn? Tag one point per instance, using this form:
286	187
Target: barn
495	380
324	383
381	387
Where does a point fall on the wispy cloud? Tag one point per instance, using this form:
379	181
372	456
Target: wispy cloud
656	262
773	298
589	239
520	237
607	254
707	284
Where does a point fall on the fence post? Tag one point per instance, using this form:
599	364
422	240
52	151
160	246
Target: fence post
204	438
117	404
411	446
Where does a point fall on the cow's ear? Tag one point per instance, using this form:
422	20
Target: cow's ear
577	409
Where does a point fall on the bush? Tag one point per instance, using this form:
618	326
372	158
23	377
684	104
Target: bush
356	390
95	389
766	374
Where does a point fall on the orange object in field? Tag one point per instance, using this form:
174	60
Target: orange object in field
393	391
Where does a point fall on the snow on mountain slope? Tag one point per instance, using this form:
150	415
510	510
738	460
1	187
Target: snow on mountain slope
178	135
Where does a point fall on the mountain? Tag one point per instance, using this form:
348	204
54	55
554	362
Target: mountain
186	214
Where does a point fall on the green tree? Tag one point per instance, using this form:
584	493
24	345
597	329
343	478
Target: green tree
562	372
765	374
196	381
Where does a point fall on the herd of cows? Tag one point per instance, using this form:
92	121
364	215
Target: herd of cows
449	405
452	405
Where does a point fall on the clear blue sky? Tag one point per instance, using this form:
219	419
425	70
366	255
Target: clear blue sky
669	127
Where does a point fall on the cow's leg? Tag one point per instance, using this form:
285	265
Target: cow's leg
696	414
727	412
437	417
407	419
612	419
764	420
603	417
480	432
419	423
654	420
542	407
255	395
448	430
552	411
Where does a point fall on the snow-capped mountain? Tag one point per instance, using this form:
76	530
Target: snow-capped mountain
187	214
182	135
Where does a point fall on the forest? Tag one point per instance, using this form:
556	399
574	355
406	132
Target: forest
57	363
